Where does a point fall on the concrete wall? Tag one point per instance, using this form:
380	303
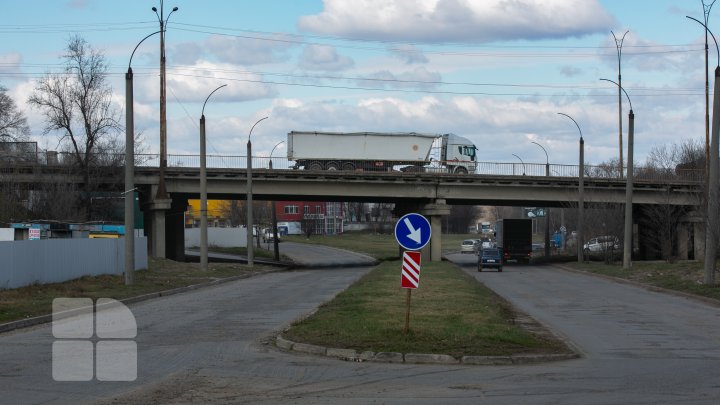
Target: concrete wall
26	262
220	237
7	234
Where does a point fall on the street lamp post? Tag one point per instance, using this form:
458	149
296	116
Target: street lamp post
706	15
711	225
618	45
579	240
162	191
203	189
547	210
276	248
521	161
250	252
130	172
628	234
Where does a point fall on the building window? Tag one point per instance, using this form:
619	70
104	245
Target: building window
318	210
291	209
307	209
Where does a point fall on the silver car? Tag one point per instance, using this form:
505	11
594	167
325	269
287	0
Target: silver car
469	246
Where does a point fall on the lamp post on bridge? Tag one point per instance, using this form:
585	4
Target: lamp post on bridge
273	214
579	239
203	189
547	210
130	171
628	234
250	252
521	161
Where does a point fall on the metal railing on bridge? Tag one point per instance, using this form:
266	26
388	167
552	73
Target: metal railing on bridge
282	163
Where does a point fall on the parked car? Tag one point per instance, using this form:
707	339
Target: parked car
469	246
268	236
490	258
601	244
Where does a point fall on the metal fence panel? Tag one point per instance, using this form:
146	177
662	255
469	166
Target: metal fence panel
27	262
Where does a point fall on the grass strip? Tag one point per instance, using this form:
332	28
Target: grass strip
451	313
379	246
685	276
36	300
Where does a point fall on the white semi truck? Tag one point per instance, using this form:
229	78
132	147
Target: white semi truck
381	151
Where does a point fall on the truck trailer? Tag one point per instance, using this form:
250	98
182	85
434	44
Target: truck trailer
514	239
380	151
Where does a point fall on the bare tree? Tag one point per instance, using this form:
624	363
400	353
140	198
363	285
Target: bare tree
78	107
13	124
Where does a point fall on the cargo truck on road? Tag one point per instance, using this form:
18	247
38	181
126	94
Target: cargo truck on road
514	239
381	151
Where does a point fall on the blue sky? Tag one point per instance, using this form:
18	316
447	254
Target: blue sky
494	71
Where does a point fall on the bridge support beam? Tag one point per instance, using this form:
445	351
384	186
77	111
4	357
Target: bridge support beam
435	211
156	212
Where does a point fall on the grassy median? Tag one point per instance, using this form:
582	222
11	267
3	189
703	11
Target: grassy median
451	313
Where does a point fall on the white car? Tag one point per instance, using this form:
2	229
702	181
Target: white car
601	244
469	246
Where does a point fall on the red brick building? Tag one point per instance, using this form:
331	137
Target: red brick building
325	218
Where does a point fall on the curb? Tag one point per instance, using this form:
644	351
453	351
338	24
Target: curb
38	320
649	287
418	358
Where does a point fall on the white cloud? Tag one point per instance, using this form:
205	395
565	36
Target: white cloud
408	53
249	51
323	57
418	78
194	83
459	20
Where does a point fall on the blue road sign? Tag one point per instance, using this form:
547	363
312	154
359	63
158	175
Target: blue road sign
412	231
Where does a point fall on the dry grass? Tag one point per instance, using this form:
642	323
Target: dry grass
450	313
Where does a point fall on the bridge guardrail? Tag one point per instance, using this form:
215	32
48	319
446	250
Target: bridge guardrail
281	163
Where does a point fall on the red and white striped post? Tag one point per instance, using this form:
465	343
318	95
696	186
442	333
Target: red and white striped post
410	279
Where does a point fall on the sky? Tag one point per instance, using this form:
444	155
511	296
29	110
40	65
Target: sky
497	72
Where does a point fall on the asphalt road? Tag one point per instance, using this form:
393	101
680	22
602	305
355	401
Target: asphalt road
209	346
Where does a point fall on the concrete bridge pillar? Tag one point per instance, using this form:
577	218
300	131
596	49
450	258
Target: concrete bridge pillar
683	239
156	212
435	211
699	240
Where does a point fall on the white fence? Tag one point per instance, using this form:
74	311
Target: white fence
27	262
220	237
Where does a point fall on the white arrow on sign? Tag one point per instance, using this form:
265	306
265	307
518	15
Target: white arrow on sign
414	233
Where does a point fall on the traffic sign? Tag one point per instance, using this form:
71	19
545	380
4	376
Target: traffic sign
410	276
412	231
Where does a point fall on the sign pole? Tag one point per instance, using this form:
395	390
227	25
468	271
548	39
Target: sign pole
407	311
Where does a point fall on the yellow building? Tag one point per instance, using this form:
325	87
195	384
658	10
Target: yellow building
218	212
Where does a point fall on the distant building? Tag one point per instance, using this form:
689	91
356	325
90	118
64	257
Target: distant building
218	212
324	218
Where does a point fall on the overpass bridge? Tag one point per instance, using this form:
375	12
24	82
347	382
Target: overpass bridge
430	193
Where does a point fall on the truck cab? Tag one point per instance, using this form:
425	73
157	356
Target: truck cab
459	154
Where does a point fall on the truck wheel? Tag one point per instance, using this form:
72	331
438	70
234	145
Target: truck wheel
332	166
461	170
314	166
348	166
